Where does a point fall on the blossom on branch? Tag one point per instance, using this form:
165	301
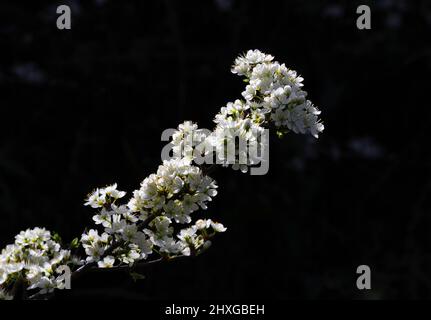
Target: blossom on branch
157	223
33	260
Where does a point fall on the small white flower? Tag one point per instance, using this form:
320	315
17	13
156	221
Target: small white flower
112	192
143	243
249	92
107	262
104	218
117	226
129	232
96	199
45	284
187	234
186	251
218	227
202	224
91	236
94	252
14	267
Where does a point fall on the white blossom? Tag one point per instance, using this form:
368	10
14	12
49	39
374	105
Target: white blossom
275	88
159	218
112	192
35	256
100	197
244	63
107	262
218	227
96	199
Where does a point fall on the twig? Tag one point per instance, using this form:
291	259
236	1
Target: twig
138	265
124	268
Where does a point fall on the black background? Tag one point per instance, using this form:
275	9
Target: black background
85	107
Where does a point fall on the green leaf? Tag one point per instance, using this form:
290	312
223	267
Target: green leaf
282	132
56	237
74	243
137	276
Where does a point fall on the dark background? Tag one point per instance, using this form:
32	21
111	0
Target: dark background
85	107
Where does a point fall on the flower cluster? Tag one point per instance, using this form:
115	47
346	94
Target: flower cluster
177	189
100	197
156	223
190	142
277	91
144	225
273	96
239	135
191	240
33	259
